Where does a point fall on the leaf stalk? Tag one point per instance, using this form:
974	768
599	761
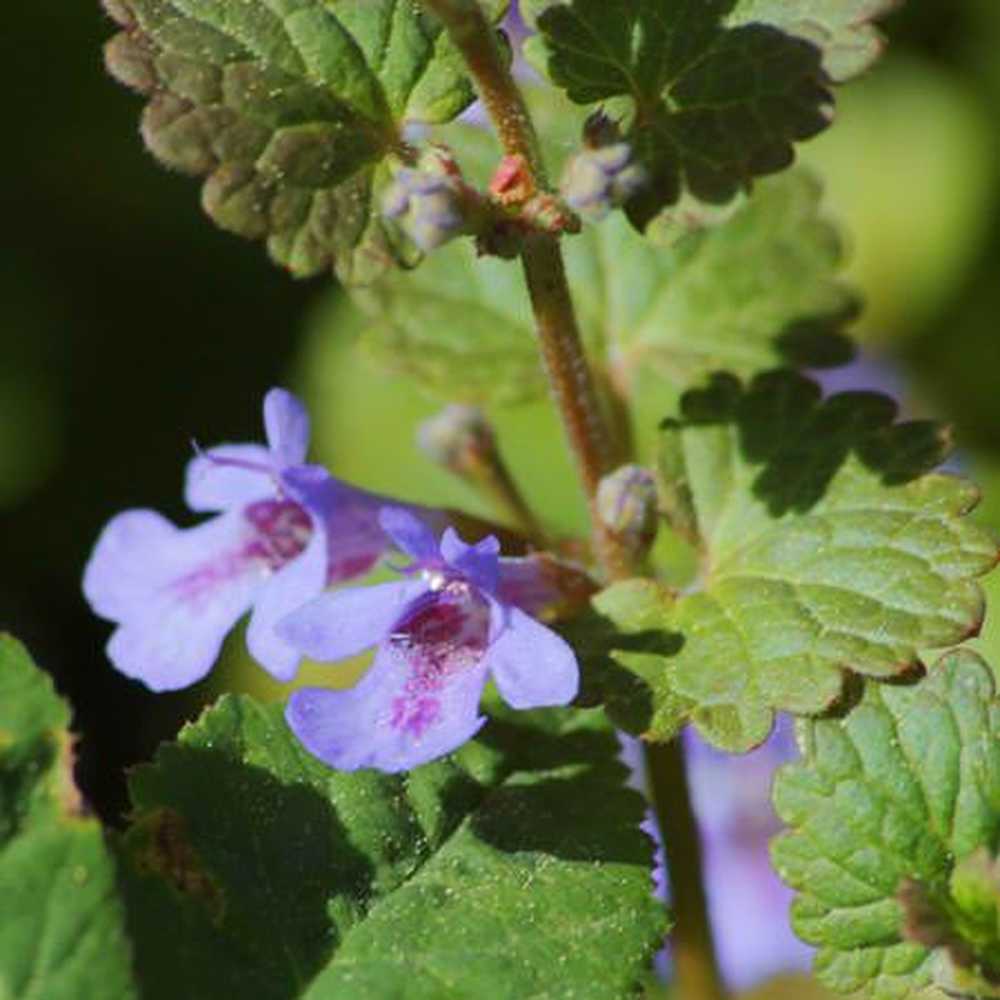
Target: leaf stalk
696	970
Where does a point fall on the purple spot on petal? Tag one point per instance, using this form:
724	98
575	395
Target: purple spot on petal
282	531
276	532
200	585
414	715
444	633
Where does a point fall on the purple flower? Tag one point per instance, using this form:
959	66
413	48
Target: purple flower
283	531
439	634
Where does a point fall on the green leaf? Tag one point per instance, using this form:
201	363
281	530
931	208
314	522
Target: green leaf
62	937
825	549
756	291
962	925
478	875
292	108
718	90
621	646
891	794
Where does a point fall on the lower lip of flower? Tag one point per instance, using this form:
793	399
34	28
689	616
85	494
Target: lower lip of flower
446	633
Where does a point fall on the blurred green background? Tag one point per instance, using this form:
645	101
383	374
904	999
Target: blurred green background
130	326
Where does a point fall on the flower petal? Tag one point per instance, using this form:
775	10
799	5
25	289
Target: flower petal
340	624
291	587
174	593
532	666
480	563
287	425
349	516
211	485
410	534
356	540
385	722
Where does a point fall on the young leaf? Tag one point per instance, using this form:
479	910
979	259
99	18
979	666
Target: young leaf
756	291
62	935
884	800
718	90
292	110
489	871
962	925
825	548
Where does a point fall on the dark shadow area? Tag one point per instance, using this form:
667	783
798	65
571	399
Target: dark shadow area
716	106
818	342
560	815
854	689
727	122
129	326
801	441
242	869
616	667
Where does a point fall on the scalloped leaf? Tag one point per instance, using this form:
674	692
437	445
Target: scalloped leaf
826	549
756	291
886	798
718	90
292	109
63	933
477	875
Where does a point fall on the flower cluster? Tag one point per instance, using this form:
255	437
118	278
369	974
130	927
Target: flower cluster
283	533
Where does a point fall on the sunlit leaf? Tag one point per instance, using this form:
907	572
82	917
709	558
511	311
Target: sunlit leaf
888	798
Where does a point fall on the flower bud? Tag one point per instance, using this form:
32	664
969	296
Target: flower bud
596	180
457	437
627	505
430	201
461	440
426	205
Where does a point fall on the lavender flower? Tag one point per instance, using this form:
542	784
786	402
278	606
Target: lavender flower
439	634
282	533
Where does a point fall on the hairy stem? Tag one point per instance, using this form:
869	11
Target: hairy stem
593	445
566	366
475	38
696	970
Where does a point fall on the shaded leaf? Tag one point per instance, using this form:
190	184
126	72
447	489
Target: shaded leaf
890	795
718	90
621	646
62	937
292	110
478	873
